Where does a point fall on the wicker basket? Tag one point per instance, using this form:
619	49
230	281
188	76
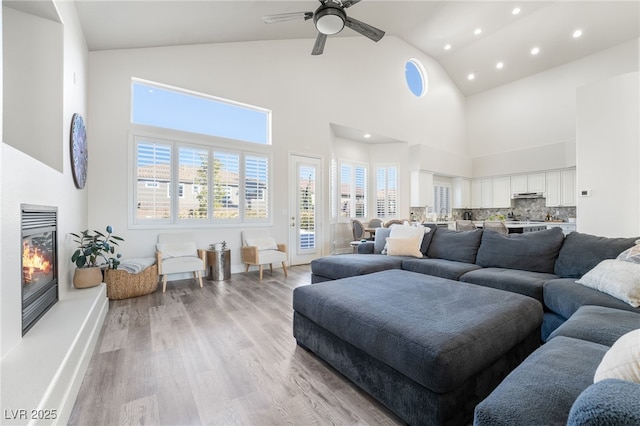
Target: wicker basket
123	285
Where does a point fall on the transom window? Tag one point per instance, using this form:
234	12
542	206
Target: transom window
158	105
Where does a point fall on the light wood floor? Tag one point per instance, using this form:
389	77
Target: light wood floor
220	355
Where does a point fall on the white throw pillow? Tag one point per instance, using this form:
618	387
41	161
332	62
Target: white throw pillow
406	231
170	250
404	246
616	278
631	254
263	243
622	360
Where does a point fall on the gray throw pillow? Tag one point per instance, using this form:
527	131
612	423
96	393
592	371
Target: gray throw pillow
380	239
460	246
532	251
582	252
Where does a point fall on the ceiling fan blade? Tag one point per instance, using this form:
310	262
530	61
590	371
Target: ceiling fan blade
349	3
365	29
318	47
283	17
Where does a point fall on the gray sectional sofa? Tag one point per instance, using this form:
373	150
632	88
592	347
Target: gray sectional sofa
579	323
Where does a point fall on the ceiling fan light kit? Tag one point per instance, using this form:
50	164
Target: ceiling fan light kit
330	18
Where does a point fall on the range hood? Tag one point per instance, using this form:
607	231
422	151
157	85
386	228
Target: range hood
521	195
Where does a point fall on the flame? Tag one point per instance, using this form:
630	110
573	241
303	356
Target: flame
33	261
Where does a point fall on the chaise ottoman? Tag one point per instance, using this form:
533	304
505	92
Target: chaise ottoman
428	348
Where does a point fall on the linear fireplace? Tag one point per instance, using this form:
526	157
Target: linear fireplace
39	262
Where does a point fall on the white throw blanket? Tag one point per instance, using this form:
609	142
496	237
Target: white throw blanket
136	265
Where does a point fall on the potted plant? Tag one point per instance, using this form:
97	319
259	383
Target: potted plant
95	252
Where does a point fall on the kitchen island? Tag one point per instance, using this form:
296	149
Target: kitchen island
521	227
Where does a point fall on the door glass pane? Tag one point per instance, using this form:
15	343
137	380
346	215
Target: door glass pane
306	207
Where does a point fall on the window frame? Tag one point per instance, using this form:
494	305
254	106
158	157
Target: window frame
352	195
175	139
386	167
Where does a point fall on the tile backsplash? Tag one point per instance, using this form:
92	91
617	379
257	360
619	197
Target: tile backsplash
522	209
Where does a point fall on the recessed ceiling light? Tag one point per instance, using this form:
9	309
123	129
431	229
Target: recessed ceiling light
535	50
447	47
471	76
478	31
367	135
499	65
577	34
515	11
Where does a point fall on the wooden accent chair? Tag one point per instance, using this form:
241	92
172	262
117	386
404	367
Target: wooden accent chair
259	248
177	253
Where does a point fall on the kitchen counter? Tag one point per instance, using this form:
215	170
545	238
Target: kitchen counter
531	226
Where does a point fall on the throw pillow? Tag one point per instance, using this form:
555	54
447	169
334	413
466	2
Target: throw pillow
616	278
263	243
170	250
632	254
404	246
622	360
406	231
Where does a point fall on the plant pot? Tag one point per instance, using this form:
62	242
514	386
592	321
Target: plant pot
87	277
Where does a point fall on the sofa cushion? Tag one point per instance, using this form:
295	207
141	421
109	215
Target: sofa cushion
564	296
532	251
404	246
442	268
460	246
349	265
543	388
598	324
582	252
522	282
617	278
622	361
609	402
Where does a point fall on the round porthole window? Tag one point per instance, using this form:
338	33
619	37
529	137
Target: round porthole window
416	77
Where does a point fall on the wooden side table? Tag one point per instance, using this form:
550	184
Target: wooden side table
218	265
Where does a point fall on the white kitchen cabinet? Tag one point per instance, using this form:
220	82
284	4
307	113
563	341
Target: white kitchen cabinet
500	192
561	188
568	187
421	189
476	194
487	193
519	184
461	193
536	182
533	182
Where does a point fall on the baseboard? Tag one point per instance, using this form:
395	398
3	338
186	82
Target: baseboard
41	376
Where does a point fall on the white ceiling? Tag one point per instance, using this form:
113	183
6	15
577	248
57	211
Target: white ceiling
427	25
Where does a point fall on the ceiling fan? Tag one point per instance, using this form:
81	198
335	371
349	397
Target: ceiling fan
330	18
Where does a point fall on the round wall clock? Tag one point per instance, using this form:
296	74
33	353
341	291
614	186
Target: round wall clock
79	155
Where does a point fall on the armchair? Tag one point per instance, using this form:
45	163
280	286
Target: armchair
177	253
259	248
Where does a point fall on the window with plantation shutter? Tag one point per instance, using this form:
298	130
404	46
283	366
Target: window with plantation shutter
353	191
334	189
226	185
193	178
256	187
180	183
153	180
386	192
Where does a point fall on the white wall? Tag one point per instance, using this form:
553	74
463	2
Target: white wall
608	156
32	86
26	180
306	93
529	125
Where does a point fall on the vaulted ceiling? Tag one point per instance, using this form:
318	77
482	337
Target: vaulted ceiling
505	36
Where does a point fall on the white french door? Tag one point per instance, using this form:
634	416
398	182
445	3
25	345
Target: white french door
305	209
